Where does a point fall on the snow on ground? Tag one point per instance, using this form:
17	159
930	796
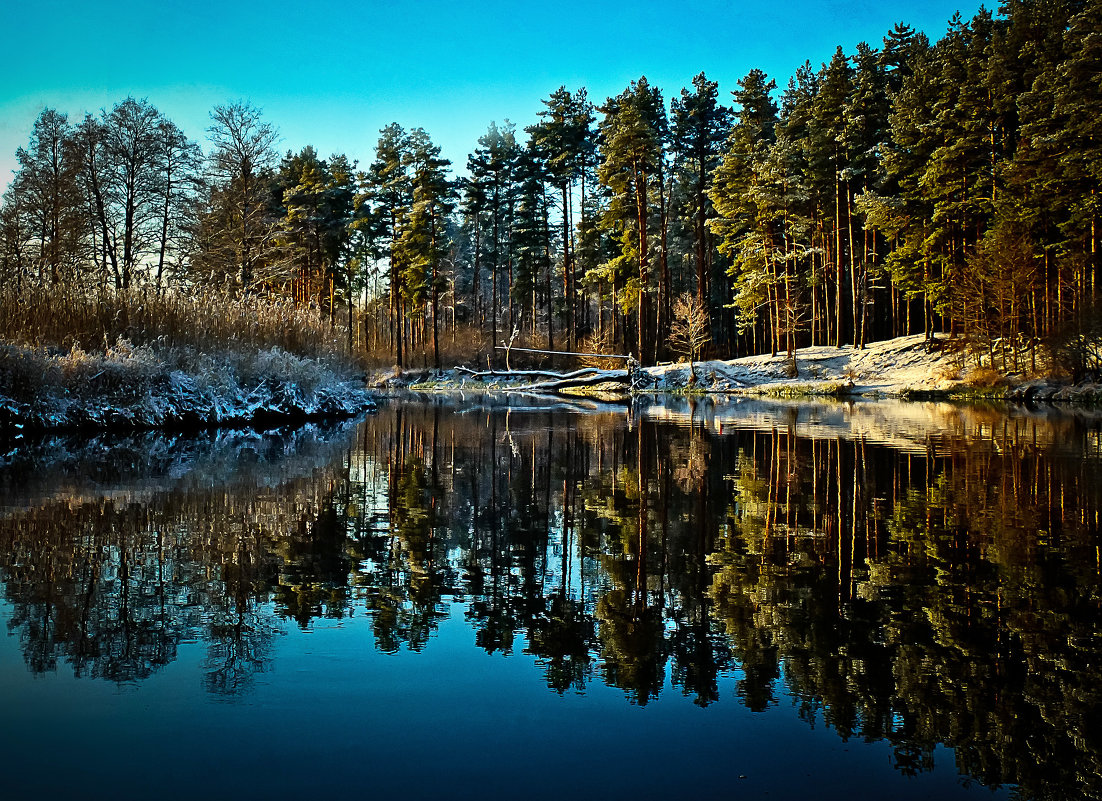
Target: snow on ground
887	368
890	367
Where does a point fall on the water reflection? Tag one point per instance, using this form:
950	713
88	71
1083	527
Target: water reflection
117	550
918	574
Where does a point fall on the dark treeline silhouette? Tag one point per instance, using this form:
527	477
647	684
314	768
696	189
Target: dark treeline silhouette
941	589
896	189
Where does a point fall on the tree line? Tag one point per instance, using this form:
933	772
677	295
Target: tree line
908	188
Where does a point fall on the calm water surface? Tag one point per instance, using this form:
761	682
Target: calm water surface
458	599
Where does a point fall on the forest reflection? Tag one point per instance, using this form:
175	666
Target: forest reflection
918	574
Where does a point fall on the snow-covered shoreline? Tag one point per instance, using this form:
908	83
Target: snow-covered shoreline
905	367
891	368
130	388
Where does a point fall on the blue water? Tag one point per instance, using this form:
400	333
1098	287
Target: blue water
323	706
333	715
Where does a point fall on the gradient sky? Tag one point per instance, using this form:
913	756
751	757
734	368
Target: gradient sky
331	74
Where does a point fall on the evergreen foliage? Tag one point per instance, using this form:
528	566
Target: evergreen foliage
909	187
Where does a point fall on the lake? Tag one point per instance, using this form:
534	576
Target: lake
471	598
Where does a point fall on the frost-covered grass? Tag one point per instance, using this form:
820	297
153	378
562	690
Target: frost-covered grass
130	386
205	360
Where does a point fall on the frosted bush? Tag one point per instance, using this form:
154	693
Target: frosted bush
278	364
139	385
133	356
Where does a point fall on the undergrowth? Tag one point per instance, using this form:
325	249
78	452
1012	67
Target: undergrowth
827	389
124	372
141	358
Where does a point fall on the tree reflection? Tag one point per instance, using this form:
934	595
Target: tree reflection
564	637
113	586
940	589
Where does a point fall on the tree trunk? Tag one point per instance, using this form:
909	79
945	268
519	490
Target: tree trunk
701	238
547	283
644	278
567	270
838	257
665	289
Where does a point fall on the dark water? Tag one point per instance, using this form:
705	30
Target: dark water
453	600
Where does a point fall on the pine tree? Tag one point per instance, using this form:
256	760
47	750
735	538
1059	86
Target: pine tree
383	203
904	212
423	243
317	199
565	140
742	225
474	201
633	131
492	167
882	202
959	174
831	178
699	130
866	134
805	209
1077	98
532	240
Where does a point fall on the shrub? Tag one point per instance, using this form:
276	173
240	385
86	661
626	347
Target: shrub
985	378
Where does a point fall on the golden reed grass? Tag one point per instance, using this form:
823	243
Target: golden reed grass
207	321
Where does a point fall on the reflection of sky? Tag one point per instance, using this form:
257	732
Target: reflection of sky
334	716
332	74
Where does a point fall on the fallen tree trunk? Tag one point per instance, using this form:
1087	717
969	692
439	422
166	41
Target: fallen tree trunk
598	377
552	374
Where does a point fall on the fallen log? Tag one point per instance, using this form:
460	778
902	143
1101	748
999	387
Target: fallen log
598	377
552	374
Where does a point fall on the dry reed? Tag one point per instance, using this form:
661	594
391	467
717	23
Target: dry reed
59	320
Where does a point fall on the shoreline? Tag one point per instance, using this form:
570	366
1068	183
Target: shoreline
905	368
136	389
133	390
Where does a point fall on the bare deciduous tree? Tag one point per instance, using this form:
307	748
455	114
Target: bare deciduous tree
689	328
244	151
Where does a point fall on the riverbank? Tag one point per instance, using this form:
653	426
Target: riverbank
905	367
135	387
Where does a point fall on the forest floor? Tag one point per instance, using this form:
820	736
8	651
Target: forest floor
903	367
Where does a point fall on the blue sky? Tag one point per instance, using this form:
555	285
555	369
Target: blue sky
331	74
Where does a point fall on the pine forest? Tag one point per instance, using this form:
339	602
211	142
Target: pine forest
907	187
